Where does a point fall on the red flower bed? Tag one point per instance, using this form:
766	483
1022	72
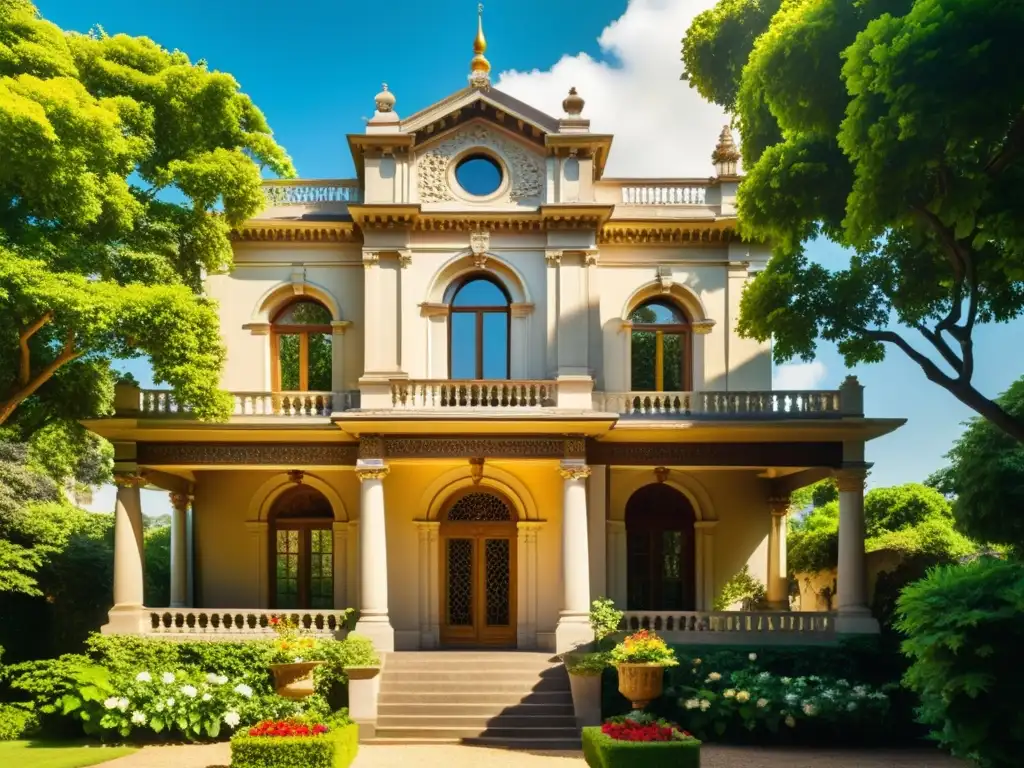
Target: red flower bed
631	730
286	728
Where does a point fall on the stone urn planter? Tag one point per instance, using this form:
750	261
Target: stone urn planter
586	699
294	680
640	683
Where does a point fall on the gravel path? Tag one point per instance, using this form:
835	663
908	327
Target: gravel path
456	756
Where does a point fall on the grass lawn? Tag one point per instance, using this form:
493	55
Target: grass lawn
56	754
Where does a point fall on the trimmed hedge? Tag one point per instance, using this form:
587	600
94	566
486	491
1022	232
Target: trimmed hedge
336	749
602	751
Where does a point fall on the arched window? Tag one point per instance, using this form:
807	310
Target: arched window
661	349
302	560
479	338
660	552
300	341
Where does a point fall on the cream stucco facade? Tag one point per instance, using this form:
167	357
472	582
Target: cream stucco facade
571	424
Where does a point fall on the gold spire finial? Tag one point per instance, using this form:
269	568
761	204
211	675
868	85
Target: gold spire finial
480	67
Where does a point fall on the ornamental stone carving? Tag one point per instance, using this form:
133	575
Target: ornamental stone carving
206	454
371	447
525	168
574	471
371	473
469	447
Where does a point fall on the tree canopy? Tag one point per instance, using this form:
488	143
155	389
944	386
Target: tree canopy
910	518
986	476
894	128
125	166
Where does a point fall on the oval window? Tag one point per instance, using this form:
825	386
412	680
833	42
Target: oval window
479	175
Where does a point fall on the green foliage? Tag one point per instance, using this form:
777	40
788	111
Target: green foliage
894	128
335	749
964	634
16	722
910	518
742	588
643	647
602	751
126	166
157	588
587	664
605	618
987	477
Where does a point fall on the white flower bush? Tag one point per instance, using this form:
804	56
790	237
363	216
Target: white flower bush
715	702
187	704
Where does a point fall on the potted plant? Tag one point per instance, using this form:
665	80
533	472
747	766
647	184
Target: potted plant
639	739
290	662
585	670
641	660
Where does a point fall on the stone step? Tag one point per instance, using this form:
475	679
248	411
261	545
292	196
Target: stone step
409	708
475	696
480	684
481	723
445	661
563	745
476	675
504	734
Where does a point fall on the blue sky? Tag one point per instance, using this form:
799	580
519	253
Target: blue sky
314	67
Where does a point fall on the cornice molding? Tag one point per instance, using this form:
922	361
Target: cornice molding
274	231
668	232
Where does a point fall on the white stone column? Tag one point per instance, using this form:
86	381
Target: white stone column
339	554
526	609
854	615
429	599
374	621
259	531
179	549
705	564
338	385
574	619
597	514
616	545
127	616
778	581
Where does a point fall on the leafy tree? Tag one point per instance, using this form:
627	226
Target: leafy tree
125	168
894	128
987	477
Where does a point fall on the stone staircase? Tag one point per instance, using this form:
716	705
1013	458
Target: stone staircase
509	699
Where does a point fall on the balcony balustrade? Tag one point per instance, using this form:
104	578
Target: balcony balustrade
814	404
429	394
240	623
736	627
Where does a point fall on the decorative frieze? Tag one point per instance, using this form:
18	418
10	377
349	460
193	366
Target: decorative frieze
470	447
716	454
576	447
371	447
215	454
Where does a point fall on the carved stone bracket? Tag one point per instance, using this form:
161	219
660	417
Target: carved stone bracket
479	244
664	277
661	474
476	469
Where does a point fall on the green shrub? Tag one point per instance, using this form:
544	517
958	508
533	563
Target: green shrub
602	751
336	749
605	618
965	627
742	588
586	664
16	722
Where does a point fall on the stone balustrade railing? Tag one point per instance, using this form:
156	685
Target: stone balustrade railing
428	394
663	194
160	402
242	622
311	191
781	404
723	626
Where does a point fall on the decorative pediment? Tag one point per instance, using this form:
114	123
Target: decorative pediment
523	172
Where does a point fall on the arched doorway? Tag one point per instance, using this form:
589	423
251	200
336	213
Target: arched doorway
660	551
478	557
302	550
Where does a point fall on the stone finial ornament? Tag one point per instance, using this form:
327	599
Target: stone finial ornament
726	154
385	99
573	103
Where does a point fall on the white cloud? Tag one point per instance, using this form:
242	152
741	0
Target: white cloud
799	375
662	127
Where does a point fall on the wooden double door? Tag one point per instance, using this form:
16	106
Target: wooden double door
478	585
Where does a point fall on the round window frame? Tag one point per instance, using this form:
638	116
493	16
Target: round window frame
465	194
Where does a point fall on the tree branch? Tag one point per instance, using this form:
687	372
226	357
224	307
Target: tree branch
936	340
931	370
24	371
67	354
1010	149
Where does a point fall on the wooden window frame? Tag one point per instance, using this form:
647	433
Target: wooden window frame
684	329
305	527
479	312
649	524
303	332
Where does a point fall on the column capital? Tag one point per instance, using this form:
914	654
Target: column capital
425	526
180	501
371	471
779	505
851	477
404	258
571	471
129	479
553	258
